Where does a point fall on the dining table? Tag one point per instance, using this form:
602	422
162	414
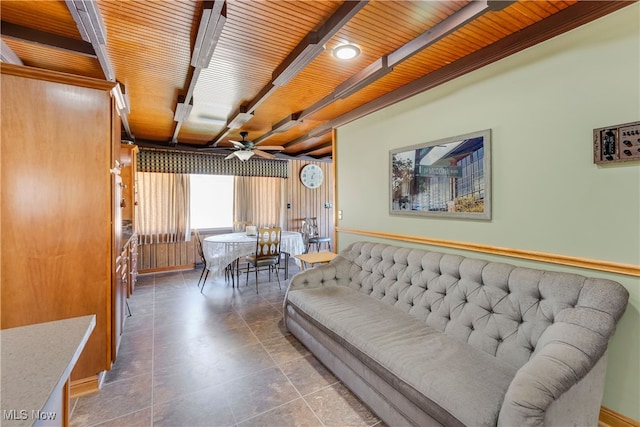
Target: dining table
220	250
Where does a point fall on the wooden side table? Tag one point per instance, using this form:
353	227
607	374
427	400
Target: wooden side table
315	258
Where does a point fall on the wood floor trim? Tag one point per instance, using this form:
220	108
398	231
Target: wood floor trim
591	264
168	269
610	418
84	386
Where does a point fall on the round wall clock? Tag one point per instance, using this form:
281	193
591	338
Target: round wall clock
311	176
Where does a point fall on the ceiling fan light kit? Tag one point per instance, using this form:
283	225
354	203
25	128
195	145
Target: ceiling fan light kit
245	149
346	51
241	154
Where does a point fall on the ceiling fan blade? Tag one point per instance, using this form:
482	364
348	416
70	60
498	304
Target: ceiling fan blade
237	144
270	147
230	156
263	154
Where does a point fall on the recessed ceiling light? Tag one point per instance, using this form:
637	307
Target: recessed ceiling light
346	51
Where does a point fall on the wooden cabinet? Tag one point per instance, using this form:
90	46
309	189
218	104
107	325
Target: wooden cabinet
133	263
121	293
129	204
125	277
128	168
60	137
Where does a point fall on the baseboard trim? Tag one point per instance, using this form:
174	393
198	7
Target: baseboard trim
167	269
591	264
85	386
610	418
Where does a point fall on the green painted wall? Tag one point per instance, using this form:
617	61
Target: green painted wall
542	105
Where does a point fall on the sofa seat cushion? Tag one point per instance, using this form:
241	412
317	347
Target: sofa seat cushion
433	370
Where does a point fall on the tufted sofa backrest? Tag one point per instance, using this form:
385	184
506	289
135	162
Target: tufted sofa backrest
498	308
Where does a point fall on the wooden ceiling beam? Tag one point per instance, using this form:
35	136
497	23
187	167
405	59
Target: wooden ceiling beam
438	32
304	53
384	65
561	22
18	32
313	43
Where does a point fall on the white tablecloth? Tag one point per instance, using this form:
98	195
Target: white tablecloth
222	249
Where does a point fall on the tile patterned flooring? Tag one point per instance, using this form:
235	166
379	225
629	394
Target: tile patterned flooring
222	358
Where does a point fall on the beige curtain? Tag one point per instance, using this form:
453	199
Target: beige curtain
163	207
258	200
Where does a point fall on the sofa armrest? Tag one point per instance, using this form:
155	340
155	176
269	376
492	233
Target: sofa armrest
331	274
313	278
565	353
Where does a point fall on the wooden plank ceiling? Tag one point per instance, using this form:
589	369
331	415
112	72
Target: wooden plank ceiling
411	45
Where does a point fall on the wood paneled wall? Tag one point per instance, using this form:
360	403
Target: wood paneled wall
303	202
166	256
307	202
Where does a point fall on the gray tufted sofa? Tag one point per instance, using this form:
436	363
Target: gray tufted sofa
426	338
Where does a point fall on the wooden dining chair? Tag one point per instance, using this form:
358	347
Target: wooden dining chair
267	253
311	236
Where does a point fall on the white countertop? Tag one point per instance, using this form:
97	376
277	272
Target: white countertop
36	361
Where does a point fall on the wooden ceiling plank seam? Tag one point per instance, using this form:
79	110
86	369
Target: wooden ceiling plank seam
500	22
518	16
429	13
144	18
490	26
541	10
376	25
472	37
295	17
385	41
166	11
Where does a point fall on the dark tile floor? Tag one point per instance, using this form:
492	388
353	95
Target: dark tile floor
222	358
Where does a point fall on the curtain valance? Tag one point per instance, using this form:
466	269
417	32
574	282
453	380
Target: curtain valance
184	162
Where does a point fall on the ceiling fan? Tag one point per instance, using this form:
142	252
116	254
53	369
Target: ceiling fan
244	149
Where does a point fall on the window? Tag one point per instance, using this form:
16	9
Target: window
211	201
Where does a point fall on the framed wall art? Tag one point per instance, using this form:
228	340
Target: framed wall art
449	178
